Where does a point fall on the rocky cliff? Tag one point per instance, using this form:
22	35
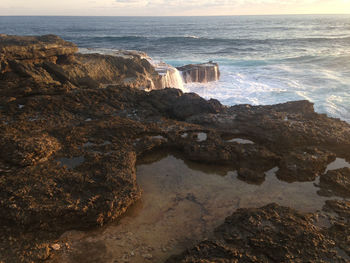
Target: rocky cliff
48	63
69	143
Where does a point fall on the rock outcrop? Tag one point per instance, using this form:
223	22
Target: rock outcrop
268	234
202	73
69	142
336	182
48	63
32	48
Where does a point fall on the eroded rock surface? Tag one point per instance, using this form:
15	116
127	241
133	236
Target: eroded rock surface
48	64
305	165
340	229
69	140
42	47
336	182
268	234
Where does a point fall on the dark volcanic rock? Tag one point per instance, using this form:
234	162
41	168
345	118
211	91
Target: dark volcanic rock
46	198
340	230
304	165
268	234
250	176
337	182
202	73
181	106
283	131
69	142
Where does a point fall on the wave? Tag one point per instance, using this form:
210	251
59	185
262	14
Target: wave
339	63
190	36
196	40
114	38
262	86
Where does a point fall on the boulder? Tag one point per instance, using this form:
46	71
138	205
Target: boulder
336	182
304	165
202	73
179	105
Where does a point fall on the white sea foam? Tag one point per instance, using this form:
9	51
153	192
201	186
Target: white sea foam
262	60
171	77
277	84
192	36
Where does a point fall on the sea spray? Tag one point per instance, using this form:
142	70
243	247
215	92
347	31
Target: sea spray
263	60
170	76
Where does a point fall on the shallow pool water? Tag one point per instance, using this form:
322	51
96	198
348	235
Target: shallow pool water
182	202
71	163
338	163
241	141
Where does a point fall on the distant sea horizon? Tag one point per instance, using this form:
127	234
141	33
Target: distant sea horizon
288	14
264	59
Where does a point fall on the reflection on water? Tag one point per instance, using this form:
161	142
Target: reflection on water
71	163
241	141
337	164
182	202
201	137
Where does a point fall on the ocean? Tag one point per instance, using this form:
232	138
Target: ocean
263	59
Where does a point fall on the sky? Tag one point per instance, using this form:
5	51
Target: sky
172	7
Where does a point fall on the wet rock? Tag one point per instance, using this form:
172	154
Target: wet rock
169	76
180	106
202	73
340	230
340	207
337	182
304	165
267	125
268	234
251	176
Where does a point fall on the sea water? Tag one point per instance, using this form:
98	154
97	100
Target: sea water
263	59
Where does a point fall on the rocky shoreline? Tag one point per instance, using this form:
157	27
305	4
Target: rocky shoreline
73	126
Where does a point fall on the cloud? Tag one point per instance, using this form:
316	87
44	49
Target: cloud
163	7
169	7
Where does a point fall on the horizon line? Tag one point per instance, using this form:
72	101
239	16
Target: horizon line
287	14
